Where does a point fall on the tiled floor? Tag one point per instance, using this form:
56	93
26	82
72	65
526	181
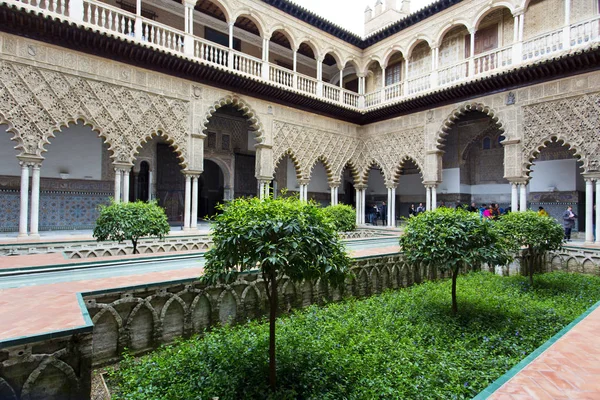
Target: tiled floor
568	369
43	308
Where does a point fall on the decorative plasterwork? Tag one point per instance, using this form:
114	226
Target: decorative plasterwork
36	103
574	121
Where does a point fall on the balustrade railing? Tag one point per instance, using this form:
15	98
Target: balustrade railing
492	60
373	98
162	35
211	52
394	91
543	45
247	64
585	32
453	73
351	98
419	84
331	92
307	84
109	19
281	76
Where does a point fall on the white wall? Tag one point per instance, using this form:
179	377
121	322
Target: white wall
76	150
318	180
376	183
9	165
450	181
410	185
561	174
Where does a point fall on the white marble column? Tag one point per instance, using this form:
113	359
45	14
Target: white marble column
433	197
35	201
126	186
514	197
118	176
427	198
333	189
389	210
392	207
150	179
472	53
357	201
589	210
597	211
523	197
24	208
187	217
194	216
363	202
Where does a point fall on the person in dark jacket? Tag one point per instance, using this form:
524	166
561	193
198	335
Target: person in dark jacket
568	222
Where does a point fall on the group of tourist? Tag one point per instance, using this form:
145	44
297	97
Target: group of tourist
374	213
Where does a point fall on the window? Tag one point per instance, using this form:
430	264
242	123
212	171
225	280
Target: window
212	140
392	74
221	38
487	143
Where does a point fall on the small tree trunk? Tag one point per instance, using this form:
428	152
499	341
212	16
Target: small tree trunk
454	276
272	317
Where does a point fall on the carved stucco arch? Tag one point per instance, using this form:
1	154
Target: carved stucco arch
390	52
245	108
287	33
252	16
123	116
175	145
449	122
373	162
325	162
533	154
15	135
491	7
397	171
439	36
289	154
574	121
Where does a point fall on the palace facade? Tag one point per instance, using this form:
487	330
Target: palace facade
198	102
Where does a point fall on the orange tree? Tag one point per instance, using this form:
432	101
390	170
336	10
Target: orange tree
278	237
452	240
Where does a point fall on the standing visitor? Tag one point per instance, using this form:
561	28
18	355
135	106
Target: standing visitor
383	212
542	212
568	222
420	209
473	208
411	211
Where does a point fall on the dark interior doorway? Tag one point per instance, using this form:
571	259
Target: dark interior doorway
211	187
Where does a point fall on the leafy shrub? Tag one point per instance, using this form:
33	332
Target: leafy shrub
400	345
452	240
131	221
342	216
536	233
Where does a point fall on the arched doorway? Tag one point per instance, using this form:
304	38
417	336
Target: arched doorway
143	179
211	189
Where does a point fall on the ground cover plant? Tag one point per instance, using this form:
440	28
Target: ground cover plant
403	344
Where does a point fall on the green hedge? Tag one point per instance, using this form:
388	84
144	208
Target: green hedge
402	344
343	217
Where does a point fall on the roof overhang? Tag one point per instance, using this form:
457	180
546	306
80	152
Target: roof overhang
54	31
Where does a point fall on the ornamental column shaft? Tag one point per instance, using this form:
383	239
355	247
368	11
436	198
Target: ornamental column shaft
523	197
24	199
389	203
35	201
428	198
514	197
433	197
126	186
118	173
589	210
392	207
194	217
187	217
363	204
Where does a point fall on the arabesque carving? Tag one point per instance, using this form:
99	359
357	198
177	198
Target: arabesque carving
37	103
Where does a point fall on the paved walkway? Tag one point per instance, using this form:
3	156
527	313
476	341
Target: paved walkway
39	303
568	369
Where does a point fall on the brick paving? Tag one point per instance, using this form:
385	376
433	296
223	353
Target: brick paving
568	369
43	308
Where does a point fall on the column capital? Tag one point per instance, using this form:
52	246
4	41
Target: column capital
189	3
518	12
192	174
303	181
360	186
472	30
519	180
391	186
591	177
431	184
333	185
30	160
